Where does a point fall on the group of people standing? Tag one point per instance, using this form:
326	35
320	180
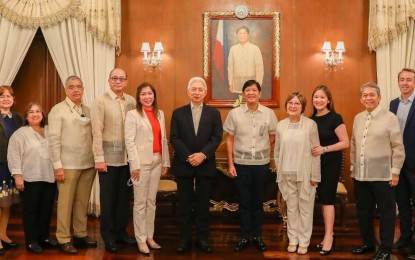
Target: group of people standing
38	160
125	140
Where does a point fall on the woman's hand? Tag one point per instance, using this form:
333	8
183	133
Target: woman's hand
232	171
135	175
313	183
19	182
317	151
164	171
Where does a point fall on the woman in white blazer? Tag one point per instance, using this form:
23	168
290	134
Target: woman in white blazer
148	157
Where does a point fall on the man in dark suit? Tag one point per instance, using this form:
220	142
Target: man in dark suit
195	134
405	191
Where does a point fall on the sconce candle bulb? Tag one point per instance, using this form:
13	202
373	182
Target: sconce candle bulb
330	60
152	59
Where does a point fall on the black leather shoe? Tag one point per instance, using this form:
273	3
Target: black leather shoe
260	244
241	245
183	247
9	245
35	248
83	242
127	241
401	243
381	255
111	248
411	256
49	242
203	246
363	249
68	248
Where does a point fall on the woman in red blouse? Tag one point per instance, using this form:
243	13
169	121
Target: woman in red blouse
148	157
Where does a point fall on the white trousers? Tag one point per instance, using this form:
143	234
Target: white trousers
145	192
299	215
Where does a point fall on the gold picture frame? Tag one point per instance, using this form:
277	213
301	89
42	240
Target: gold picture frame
220	30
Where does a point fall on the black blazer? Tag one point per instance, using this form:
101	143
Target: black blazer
185	142
408	135
4	140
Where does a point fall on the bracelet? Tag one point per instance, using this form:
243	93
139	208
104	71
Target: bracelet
326	149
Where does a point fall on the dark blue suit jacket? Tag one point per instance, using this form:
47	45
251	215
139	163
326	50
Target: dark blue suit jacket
408	135
185	142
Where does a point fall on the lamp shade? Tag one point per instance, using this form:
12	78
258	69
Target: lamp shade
326	46
340	47
158	46
145	47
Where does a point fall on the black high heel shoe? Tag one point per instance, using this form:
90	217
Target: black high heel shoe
9	245
319	246
327	252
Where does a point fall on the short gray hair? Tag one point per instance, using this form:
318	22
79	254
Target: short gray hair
197	79
370	85
72	78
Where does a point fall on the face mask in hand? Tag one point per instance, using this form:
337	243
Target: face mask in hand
83	120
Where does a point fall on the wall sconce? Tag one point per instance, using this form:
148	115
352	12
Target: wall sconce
152	59
330	60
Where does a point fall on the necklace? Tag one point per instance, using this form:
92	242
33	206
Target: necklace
82	109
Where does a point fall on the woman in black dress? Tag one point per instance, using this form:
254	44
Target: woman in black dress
9	122
333	139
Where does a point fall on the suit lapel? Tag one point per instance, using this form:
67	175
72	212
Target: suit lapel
202	121
189	118
411	113
3	126
394	106
145	119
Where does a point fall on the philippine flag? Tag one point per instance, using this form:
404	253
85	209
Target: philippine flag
218	53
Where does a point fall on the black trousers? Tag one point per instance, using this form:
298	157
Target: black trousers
37	203
367	195
405	192
250	184
115	203
193	195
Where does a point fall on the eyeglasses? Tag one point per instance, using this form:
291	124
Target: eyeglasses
194	90
293	103
115	79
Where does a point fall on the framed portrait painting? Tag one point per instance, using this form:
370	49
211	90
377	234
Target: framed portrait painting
236	50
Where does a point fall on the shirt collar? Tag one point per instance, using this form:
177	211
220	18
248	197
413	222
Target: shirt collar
192	106
9	115
245	44
115	96
375	111
410	99
246	109
71	104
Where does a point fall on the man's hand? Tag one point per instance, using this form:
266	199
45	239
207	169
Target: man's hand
59	174
394	181
196	159
101	166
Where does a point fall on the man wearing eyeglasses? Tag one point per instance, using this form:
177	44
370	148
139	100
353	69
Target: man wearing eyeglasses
107	115
70	143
